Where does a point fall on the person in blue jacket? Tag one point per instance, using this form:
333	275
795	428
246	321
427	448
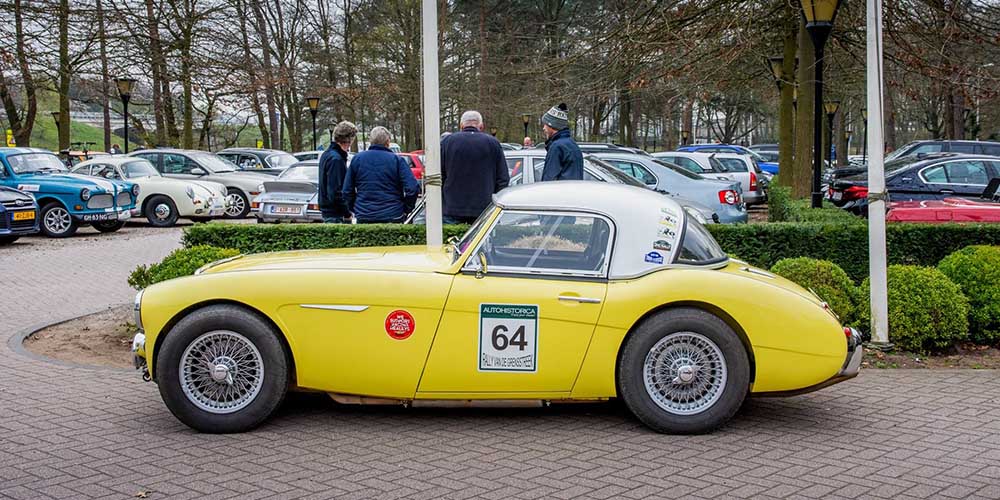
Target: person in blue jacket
379	186
473	168
563	159
332	171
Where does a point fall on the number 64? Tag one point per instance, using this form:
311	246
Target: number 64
501	341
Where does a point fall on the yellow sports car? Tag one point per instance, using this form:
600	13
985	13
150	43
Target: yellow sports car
561	291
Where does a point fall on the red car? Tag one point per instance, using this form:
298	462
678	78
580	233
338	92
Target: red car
416	162
946	210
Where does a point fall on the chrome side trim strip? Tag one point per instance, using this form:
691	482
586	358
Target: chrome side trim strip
582	300
334	307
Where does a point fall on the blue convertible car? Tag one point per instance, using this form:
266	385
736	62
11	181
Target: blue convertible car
66	200
18	215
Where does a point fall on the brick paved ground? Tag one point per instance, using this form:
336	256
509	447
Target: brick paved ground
72	433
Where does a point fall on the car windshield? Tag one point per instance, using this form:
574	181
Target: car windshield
899	153
683	171
139	168
308	173
214	162
752	154
618	176
281	160
465	242
35	162
699	247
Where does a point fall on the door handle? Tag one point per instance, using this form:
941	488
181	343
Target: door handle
947	191
582	300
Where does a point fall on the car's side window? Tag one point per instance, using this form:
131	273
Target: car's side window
152	158
935	175
546	243
587	176
84	170
967	172
538	166
514	166
927	148
961	147
990	150
177	164
105	171
624	166
644	175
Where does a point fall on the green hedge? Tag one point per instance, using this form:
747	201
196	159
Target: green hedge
760	244
782	208
180	262
976	270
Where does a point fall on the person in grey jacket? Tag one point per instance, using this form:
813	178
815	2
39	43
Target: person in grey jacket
563	159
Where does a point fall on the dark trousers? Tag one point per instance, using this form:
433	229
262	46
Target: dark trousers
448	219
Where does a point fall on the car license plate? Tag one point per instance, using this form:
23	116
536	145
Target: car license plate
286	209
30	215
837	195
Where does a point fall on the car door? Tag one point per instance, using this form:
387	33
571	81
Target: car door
964	178
522	324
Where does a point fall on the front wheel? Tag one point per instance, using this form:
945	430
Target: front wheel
683	371
108	226
222	369
238	206
57	221
161	211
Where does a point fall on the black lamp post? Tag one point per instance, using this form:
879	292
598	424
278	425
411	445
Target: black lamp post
313	103
864	151
493	131
819	16
685	135
125	93
776	63
526	118
831	108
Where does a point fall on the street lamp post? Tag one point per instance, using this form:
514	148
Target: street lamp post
125	93
685	135
313	103
864	151
819	16
776	64
831	108
493	131
849	134
526	118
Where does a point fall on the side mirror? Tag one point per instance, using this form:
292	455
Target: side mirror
198	171
481	272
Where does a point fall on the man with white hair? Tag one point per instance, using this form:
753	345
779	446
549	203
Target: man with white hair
379	186
473	167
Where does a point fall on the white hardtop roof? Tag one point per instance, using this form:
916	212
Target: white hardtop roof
642	218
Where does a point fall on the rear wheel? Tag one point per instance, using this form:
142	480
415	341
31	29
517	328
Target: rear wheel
160	211
683	371
108	226
57	221
222	369
238	205
7	240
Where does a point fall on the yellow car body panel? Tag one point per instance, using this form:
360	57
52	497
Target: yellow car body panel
795	343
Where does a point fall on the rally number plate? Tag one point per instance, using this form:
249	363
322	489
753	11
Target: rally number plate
508	338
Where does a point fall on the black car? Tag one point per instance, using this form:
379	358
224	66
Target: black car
918	149
18	215
928	177
264	161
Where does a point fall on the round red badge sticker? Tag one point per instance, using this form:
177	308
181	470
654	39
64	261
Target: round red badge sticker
400	325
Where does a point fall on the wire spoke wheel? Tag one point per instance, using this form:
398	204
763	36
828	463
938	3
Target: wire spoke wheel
221	372
685	373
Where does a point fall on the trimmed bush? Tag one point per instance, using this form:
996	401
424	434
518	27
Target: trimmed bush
976	270
827	279
180	262
782	208
927	311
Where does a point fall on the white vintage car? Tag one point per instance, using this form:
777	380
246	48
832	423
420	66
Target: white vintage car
161	200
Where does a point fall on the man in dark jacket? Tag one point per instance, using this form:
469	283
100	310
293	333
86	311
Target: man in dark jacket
332	170
563	160
379	186
473	167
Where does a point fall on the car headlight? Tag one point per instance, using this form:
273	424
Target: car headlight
135	190
695	214
84	194
136	313
190	192
260	188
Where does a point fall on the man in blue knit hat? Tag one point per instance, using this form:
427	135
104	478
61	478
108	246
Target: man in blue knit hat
563	160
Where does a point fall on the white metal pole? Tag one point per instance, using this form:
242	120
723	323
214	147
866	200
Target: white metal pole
432	125
876	179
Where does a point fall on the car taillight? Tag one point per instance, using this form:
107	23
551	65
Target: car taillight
313	206
847	333
753	181
856	192
729	197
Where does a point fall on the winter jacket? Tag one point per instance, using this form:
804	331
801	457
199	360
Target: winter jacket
563	161
473	167
379	186
332	170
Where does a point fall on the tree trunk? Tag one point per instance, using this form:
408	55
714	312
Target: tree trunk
105	78
158	67
687	124
64	74
274	141
786	108
802	166
248	62
840	125
187	136
890	120
21	124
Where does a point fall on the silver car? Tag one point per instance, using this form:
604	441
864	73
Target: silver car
241	187
292	197
722	166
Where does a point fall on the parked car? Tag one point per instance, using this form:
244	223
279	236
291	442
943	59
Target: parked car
768	156
943	211
307	155
75	157
265	161
917	148
766	166
724	166
241	186
761	148
561	291
916	178
593	170
161	200
292	197
66	200
415	162
722	196
18	215
602	147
